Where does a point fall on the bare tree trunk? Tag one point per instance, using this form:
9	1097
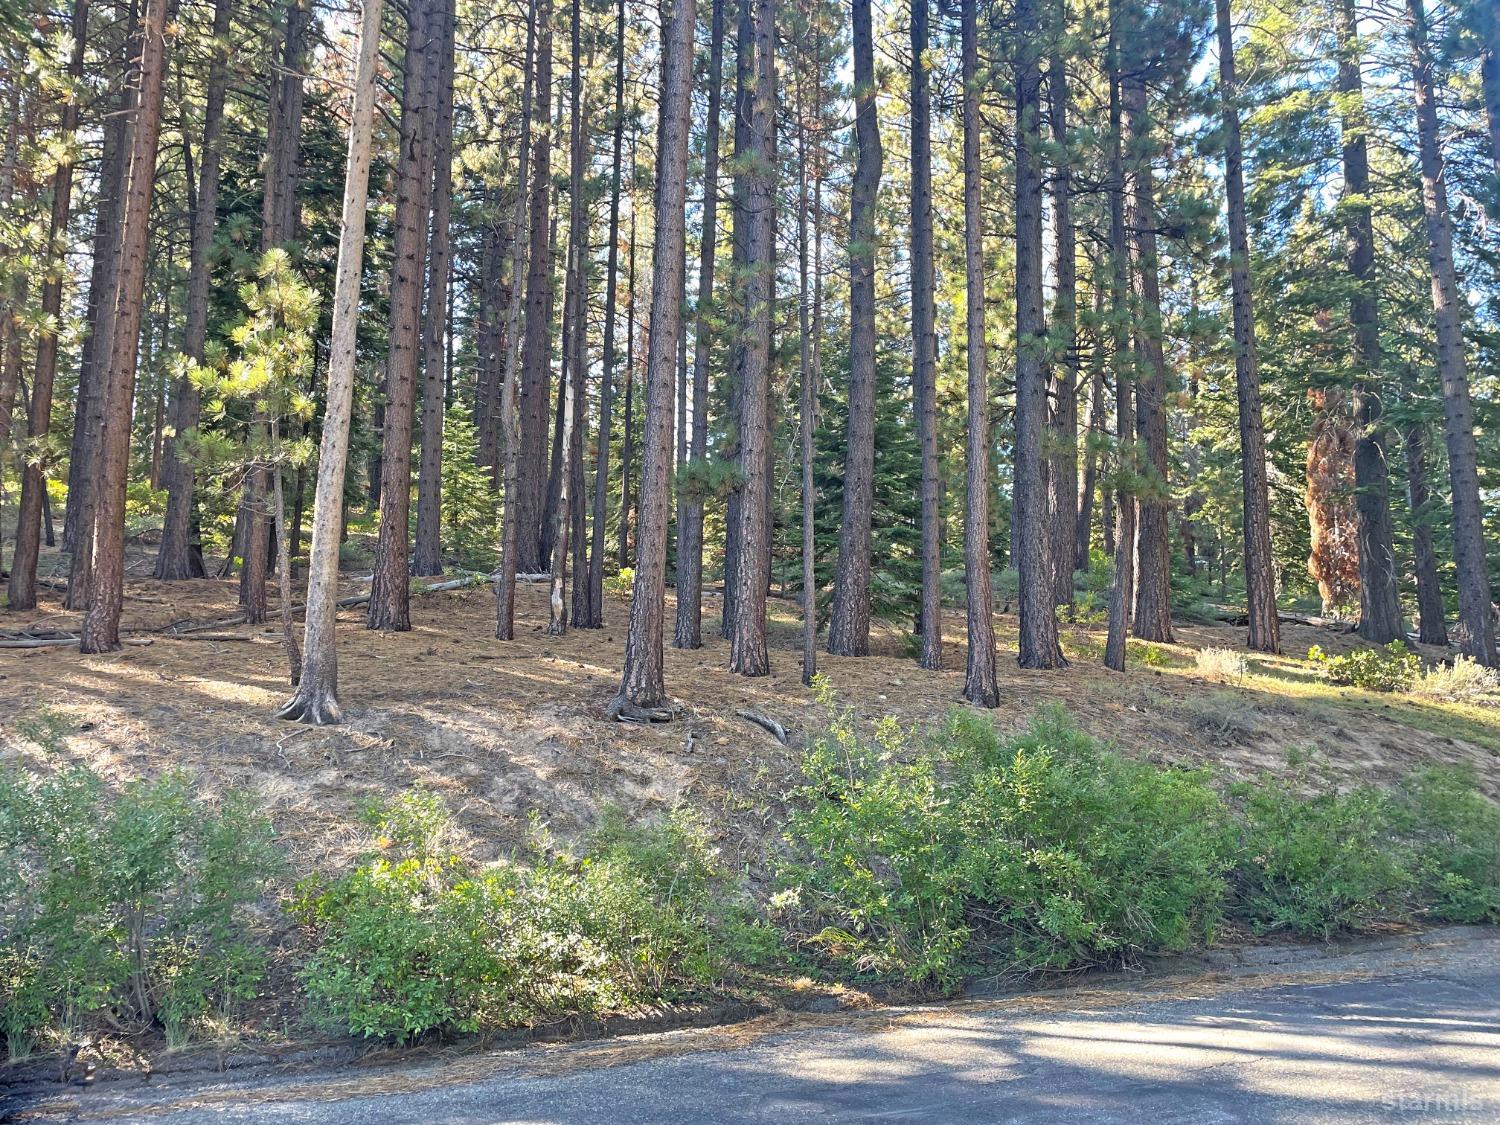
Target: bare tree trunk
627	418
119	132
1379	602
981	686
924	344
642	689
390	588
1121	360
570	399
316	698
752	572
1039	647
1474	606
849	625
536	360
1153	597
1095	431
1260	582
1431	614
807	406
22	589
510	421
176	558
607	376
689	633
427	550
744	82
101	620
1062	474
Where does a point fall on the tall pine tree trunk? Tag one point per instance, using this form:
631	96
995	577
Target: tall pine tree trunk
607	376
101	619
1379	602
1474	608
1062	474
1039	647
536	360
1260	583
1431	613
22	589
316	697
390	588
570	399
924	343
93	364
178	558
752	570
689	632
427	548
510	421
1121	361
849	625
981	686
1153	597
642	688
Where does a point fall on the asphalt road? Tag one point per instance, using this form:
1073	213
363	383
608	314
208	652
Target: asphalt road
1410	1032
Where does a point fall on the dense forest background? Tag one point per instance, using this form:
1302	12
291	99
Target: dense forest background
895	306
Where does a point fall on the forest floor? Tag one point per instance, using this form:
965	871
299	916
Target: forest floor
505	729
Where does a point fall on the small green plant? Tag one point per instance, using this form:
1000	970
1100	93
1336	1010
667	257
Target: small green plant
1152	656
1391	668
45	728
621	585
1464	681
415	939
1222	664
125	908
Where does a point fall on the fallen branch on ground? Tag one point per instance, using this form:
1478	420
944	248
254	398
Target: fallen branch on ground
766	723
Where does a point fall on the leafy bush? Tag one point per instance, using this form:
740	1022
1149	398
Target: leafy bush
1222	664
1465	680
1043	851
125	908
1315	860
1455	834
1319	863
414	939
1391	668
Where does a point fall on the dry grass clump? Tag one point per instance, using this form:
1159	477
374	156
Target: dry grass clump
1222	664
1463	681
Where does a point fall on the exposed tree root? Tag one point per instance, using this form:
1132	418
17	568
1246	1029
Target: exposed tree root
766	723
621	710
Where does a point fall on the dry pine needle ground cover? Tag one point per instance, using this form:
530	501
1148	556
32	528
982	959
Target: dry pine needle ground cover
504	728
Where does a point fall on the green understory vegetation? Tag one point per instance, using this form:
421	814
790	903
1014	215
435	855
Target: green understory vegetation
910	859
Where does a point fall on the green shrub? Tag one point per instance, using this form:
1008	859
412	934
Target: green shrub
1455	835
1040	852
1314	860
414	939
1391	668
125	908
